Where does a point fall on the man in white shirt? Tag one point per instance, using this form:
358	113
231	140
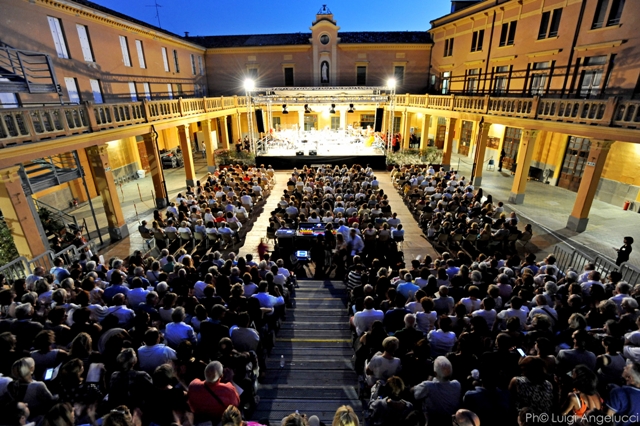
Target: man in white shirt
178	331
266	300
487	312
244	338
170	227
514	311
542	308
246	200
393	221
120	311
343	229
363	320
355	243
153	354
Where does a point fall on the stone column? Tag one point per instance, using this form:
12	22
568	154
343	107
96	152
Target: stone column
523	163
448	143
155	168
236	125
483	136
424	131
19	216
343	119
301	120
589	184
187	154
208	145
99	160
223	134
406	129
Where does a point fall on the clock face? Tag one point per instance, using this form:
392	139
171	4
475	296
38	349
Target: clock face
324	39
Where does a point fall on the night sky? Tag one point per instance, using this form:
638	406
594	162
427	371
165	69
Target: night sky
228	17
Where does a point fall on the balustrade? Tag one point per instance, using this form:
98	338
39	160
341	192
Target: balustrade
19	125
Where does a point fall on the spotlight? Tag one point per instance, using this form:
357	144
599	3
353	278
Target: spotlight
333	109
307	110
249	84
284	109
351	108
391	83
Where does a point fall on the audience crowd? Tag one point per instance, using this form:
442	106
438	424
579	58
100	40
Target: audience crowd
461	339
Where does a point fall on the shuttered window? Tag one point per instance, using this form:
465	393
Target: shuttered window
58	37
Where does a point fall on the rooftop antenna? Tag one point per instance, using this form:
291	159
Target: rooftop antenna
156	5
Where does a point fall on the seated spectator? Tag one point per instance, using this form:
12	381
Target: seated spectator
178	330
153	354
383	364
210	398
441	396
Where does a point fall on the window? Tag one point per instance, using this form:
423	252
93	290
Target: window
361	76
616	12
473	76
501	80
253	73
446	81
169	91
201	65
175	61
448	47
85	44
613	17
193	64
476	41
508	33
165	59
539	79
398	74
546	30
140	50
147	91
367	120
72	89
133	92
58	37
179	89
591	76
335	123
288	76
275	123
97	92
125	51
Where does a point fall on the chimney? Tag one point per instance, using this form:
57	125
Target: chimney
186	33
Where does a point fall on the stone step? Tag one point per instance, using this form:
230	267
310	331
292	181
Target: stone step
314	343
317	333
294	377
315	325
308	363
330	351
315	303
308	392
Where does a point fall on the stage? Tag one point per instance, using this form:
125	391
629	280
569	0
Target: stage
291	148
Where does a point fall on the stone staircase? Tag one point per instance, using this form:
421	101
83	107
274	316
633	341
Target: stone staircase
315	340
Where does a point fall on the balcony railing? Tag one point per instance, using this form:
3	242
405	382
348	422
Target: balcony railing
22	125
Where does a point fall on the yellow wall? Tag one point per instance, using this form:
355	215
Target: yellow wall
122	152
622	163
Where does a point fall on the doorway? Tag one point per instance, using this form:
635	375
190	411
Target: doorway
465	138
441	132
575	159
511	146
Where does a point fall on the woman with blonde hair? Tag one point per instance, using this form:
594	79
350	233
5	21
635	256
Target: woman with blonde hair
345	416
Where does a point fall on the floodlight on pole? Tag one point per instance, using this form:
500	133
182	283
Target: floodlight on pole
249	84
391	83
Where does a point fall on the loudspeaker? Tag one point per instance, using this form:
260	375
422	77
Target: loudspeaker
379	117
299	153
313	152
259	120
